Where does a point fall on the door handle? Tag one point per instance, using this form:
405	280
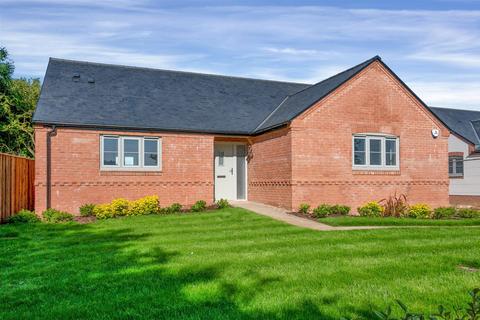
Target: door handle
231	171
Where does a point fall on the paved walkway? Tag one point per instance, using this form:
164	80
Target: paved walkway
282	215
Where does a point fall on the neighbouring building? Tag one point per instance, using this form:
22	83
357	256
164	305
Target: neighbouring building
463	154
106	131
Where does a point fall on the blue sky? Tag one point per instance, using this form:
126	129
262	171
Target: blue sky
434	46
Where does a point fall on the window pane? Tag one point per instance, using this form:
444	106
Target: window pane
110	151
221	157
375	152
110	144
359	151
151	146
130	152
450	165
130	145
390	152
151	159
459	166
110	158
130	159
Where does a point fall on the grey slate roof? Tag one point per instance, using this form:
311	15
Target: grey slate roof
465	123
124	97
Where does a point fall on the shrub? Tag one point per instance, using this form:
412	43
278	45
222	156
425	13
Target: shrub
120	207
87	210
370	209
222	204
394	206
200	205
443	213
322	211
470	312
339	209
304	208
419	211
24	216
145	205
176	207
56	216
103	211
468	213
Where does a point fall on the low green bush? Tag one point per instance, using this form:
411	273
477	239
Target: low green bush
304	208
468	213
340	209
24	216
173	208
370	209
56	216
87	210
443	213
419	211
222	204
199	206
322	211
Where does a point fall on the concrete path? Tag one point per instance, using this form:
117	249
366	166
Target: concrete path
282	215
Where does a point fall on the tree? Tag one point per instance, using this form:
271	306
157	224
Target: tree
18	98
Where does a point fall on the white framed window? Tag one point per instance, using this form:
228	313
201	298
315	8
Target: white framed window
455	166
130	153
375	152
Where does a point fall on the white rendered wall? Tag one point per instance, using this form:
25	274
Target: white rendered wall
470	184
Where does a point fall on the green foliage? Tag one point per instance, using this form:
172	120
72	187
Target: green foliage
6	70
470	312
419	211
87	210
394	206
340	210
370	209
304	208
173	208
468	213
18	98
145	205
222	204
24	216
322	211
443	213
56	216
199	206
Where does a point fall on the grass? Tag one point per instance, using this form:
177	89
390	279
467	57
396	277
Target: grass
389	221
228	264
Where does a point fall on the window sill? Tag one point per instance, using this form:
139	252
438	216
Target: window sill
456	177
130	173
377	172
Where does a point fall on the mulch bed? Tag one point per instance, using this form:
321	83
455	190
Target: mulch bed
84	220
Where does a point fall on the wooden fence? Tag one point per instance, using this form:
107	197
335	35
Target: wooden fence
17	175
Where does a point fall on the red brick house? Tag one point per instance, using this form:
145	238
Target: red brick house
106	131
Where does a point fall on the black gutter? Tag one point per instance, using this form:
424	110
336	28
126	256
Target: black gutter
50	134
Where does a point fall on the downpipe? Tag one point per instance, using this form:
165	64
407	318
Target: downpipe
51	133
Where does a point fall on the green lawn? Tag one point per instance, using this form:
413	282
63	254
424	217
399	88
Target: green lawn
389	221
228	264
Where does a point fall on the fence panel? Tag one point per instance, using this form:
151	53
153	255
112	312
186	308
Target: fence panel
17	190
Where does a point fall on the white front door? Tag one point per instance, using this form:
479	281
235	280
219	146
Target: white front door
230	171
225	171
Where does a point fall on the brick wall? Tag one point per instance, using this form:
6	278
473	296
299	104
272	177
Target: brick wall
187	171
372	102
269	169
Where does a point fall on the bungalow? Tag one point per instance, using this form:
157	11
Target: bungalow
463	154
106	131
